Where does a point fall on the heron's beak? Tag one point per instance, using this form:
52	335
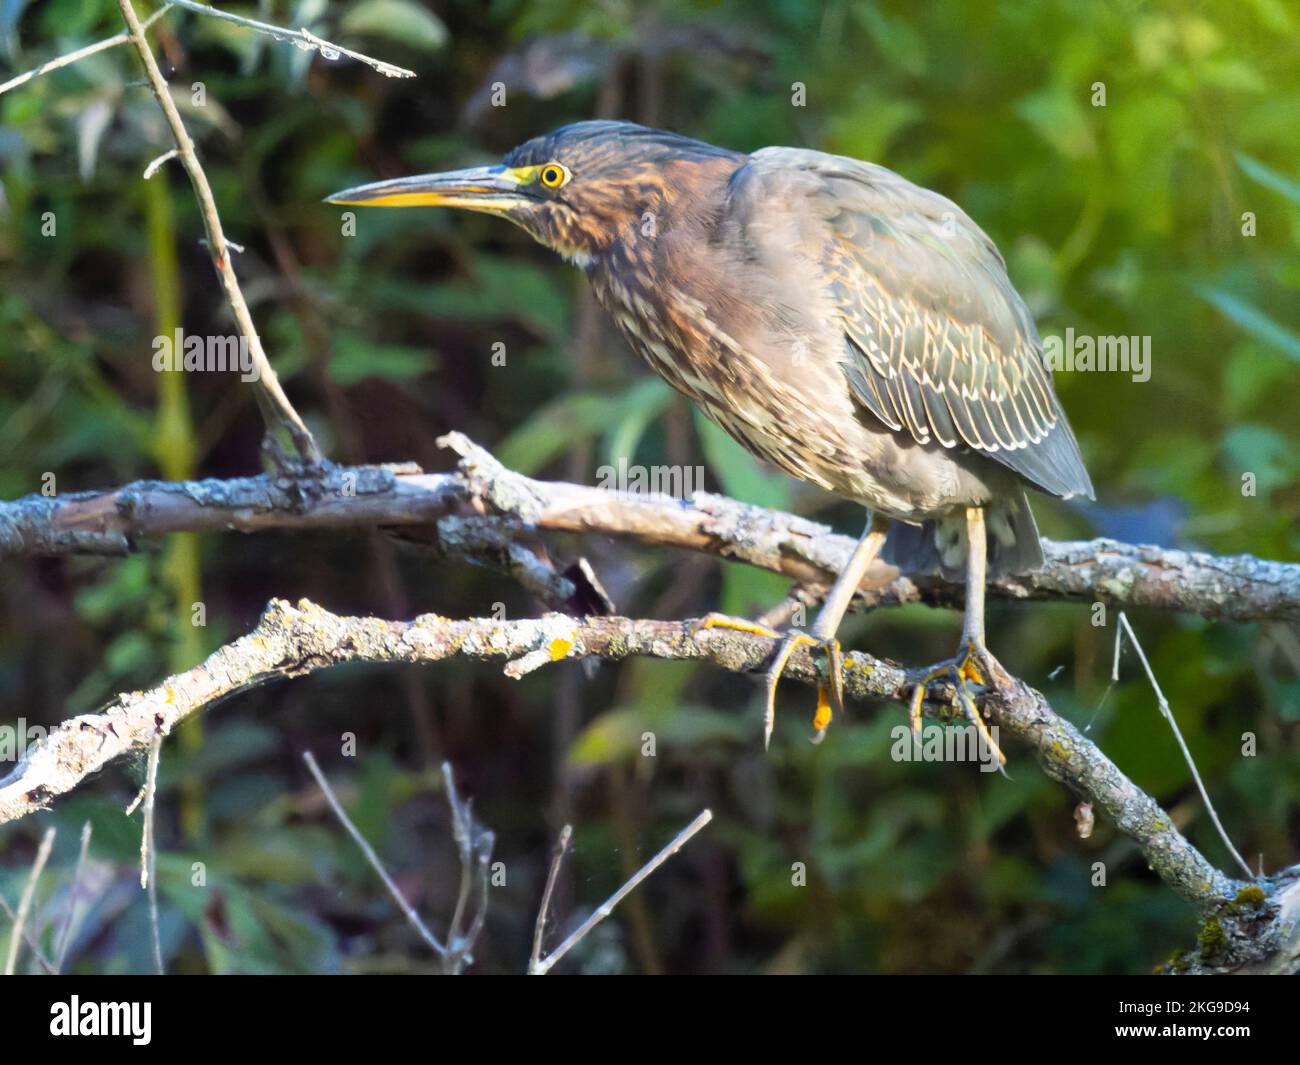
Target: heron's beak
494	189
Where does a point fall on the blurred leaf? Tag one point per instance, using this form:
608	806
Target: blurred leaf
401	21
91	124
1269	178
898	42
353	358
127	654
226	748
557	426
1057	114
269	856
1253	320
10	13
646	401
245	931
747	591
1263	451
617	735
867	131
124	587
1252	376
73	18
1232	75
500	289
1273	15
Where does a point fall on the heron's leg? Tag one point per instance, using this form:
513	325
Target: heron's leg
834	607
972	629
973	656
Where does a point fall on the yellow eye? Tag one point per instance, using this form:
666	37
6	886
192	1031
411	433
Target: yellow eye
553	175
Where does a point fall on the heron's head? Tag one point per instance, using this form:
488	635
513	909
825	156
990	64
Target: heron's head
576	190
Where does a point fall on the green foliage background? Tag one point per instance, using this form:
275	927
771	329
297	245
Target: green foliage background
1121	219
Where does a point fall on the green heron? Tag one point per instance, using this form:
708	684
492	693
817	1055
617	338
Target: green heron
852	328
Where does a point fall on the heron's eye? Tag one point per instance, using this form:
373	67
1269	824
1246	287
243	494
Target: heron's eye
554	176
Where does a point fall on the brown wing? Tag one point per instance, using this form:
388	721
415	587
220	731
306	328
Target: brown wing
938	343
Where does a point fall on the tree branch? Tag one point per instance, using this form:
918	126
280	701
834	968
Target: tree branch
540	966
301	37
277	411
481	505
291	641
69	58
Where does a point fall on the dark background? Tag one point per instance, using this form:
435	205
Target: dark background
1124	219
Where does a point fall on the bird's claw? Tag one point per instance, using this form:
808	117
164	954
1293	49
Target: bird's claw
830	696
967	668
726	621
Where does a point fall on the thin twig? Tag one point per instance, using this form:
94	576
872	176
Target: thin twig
157	164
474	845
366	849
465	952
277	411
607	907
302	38
25	902
145	797
462	833
149	851
32	943
65	933
1182	744
80	53
561	847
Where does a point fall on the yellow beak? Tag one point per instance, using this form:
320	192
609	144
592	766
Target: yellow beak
494	189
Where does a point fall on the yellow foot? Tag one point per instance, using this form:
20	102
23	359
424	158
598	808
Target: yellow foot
829	698
963	670
823	716
726	621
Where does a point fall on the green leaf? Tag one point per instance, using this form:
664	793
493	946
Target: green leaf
903	45
1269	178
646	401
1262	451
1058	116
354	358
867	131
618	734
1253	320
129	653
397	20
1252	376
555	428
747	591
504	289
124	586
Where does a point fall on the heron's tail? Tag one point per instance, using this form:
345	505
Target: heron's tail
940	546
